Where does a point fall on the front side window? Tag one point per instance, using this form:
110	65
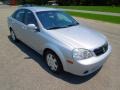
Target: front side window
30	18
56	19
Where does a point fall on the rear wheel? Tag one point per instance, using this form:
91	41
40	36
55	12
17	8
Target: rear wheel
13	36
53	62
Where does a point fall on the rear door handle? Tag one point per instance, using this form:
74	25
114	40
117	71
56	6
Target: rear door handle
24	28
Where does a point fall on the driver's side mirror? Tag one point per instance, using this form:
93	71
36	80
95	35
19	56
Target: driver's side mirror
32	27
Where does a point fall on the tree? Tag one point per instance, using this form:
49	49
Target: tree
40	2
88	2
77	2
116	2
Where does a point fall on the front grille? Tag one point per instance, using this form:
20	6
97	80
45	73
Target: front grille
101	50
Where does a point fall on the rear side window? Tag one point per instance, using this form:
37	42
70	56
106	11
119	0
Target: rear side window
19	15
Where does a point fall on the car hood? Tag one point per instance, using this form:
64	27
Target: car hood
79	37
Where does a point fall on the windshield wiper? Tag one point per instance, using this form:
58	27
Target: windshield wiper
55	28
73	24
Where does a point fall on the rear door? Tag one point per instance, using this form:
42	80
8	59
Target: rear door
18	23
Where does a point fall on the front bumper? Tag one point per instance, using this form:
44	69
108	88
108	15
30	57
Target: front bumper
88	66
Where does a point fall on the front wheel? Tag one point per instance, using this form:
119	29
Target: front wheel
53	62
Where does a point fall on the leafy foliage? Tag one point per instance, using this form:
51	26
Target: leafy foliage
73	2
89	2
40	2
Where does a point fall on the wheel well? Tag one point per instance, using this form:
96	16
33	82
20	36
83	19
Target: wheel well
48	49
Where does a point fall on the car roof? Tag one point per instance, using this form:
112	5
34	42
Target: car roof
38	8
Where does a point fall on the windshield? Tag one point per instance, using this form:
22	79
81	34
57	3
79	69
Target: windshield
56	19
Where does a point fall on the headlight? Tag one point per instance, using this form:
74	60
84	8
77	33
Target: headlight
80	54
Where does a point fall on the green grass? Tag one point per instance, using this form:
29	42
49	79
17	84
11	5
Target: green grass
106	18
92	8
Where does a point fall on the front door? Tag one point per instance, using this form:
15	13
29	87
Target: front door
32	37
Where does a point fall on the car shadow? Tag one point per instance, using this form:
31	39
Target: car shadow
68	77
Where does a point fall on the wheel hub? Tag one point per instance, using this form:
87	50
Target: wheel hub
52	62
13	35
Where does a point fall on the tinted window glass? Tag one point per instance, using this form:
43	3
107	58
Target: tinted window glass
56	19
30	18
14	14
19	15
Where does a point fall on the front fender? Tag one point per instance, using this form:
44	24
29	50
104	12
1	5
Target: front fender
58	52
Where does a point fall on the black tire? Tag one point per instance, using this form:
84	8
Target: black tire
58	62
13	36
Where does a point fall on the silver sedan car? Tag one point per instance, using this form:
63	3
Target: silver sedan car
63	42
